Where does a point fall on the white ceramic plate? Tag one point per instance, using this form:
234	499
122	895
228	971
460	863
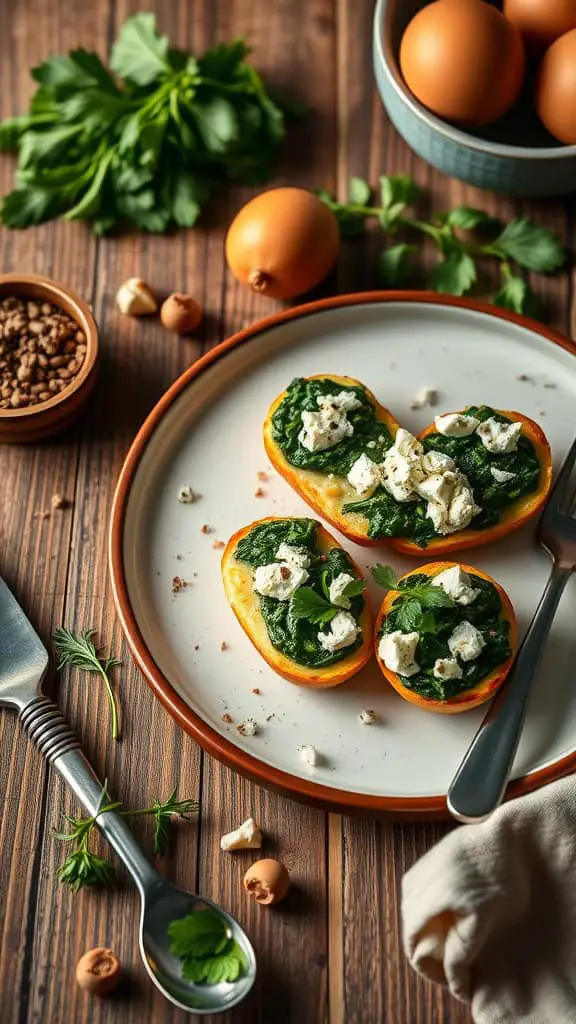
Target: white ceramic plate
207	432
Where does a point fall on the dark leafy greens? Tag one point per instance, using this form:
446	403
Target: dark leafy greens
302	395
436	624
290	629
390	518
146	143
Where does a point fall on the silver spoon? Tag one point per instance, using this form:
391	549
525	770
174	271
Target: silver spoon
23	665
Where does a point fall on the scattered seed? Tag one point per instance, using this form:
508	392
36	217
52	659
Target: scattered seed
262	476
178	584
227	718
205	528
37	342
256	691
258	493
223	646
218	544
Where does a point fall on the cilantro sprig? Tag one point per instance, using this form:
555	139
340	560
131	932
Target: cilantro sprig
145	143
84	867
415	602
203	941
461	237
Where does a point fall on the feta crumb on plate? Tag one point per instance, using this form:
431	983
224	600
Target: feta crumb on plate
367	717
309	755
423	398
249	727
186	495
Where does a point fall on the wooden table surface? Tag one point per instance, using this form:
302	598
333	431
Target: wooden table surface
333	952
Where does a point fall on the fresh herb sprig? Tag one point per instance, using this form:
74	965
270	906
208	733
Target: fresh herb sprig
309	605
79	651
204	943
415	601
461	236
147	142
84	867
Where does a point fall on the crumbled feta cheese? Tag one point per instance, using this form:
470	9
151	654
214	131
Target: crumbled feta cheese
398	652
499	437
467	641
407	445
249	727
439	487
457	584
447	668
501	476
463	508
364	475
278	580
309	755
343	631
330	425
186	495
337	588
247	837
367	717
456	424
297	557
423	398
437	462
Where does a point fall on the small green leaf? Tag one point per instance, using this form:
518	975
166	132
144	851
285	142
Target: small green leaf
359	192
201	933
393	264
409	614
307	604
467	218
217	122
140	54
455	275
517	295
188	194
433	597
398	188
533	247
384	576
354	588
11	130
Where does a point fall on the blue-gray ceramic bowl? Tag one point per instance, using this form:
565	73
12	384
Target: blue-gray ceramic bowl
515	156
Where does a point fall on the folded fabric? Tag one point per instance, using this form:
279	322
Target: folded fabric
490	911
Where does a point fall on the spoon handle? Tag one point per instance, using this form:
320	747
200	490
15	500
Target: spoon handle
49	730
478	786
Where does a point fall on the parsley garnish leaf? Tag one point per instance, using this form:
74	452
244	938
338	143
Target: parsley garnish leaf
394	264
203	941
454	275
354	588
385	576
307	604
532	247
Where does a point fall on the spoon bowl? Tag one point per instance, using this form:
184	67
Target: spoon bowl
162	904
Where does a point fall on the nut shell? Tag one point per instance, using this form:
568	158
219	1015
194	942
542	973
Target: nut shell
267	881
98	971
180	313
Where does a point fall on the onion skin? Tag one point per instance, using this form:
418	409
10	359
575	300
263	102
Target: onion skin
283	243
243	600
482	691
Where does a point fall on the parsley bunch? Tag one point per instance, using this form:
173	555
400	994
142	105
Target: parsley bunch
416	600
460	236
83	867
145	143
204	943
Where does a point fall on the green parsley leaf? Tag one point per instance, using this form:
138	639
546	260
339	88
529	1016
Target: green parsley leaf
533	247
455	275
217	122
354	588
517	295
394	264
212	970
409	615
466	217
307	604
384	576
140	54
398	189
359	192
11	130
201	933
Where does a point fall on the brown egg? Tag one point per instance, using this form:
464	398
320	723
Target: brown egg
267	881
541	21
555	93
463	60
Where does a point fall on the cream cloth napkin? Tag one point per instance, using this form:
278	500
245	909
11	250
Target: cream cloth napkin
490	911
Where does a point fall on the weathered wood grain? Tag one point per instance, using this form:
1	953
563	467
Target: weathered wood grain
332	953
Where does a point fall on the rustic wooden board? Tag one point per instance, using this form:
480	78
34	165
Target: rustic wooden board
333	952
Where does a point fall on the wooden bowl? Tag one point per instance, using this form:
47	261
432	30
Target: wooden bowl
35	423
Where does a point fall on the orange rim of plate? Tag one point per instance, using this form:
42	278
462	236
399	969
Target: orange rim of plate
325	797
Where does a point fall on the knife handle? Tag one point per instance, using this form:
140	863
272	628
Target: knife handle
45	724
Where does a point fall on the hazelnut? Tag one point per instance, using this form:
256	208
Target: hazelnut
136	298
98	971
180	313
267	881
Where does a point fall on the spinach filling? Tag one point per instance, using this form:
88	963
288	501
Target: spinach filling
390	518
436	625
301	396
297	638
